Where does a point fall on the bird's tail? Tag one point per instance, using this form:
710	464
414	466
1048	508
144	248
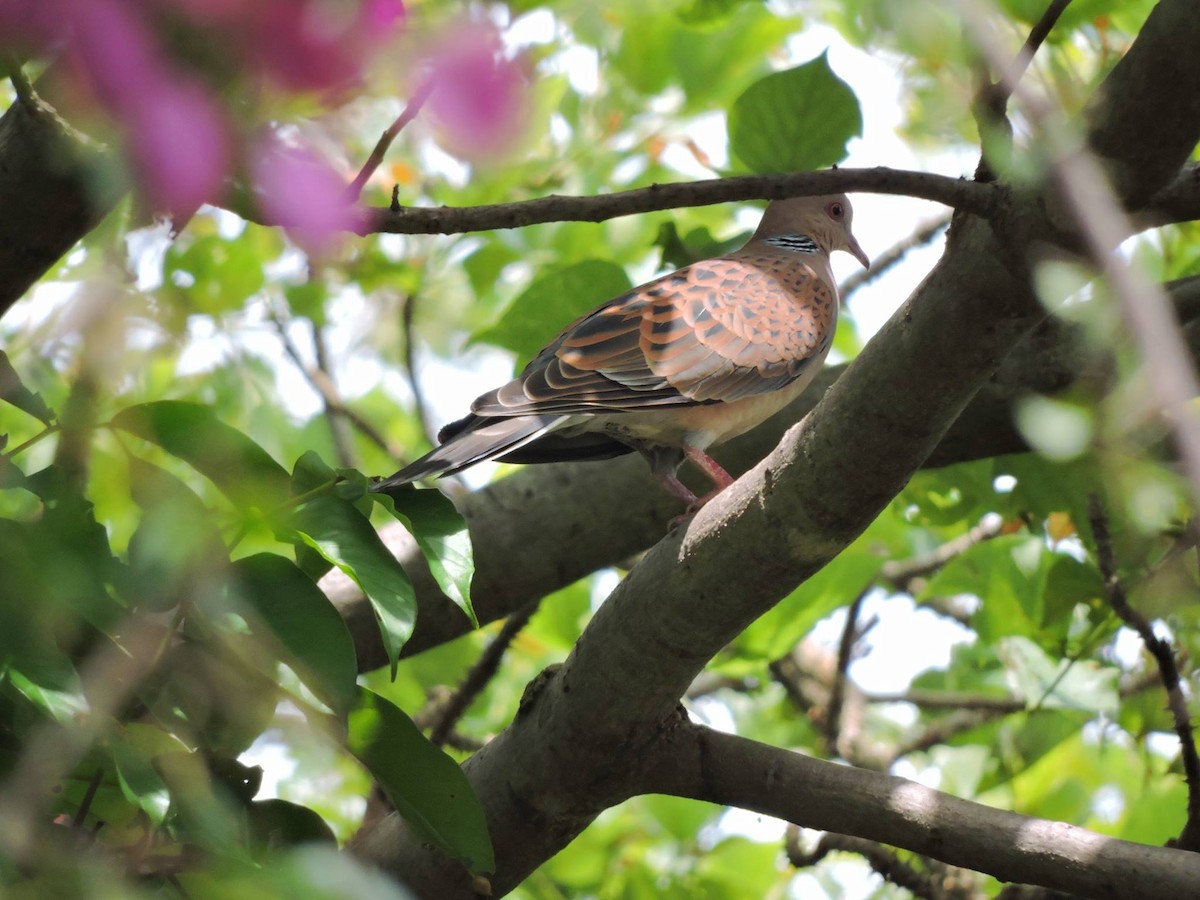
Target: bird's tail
469	441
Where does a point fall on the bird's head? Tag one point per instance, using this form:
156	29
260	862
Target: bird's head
824	219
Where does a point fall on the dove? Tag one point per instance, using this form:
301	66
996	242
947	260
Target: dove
673	367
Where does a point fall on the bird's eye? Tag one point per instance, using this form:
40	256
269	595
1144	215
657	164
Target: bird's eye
835	210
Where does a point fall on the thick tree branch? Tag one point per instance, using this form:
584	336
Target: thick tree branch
1144	122
54	188
587	731
693	761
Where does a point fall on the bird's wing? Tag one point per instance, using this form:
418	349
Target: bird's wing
716	331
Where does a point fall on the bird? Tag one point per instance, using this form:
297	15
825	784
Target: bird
673	367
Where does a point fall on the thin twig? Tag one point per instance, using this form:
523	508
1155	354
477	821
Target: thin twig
337	422
931	699
885	861
408	311
480	674
837	691
354	190
990	108
1164	656
89	796
1002	90
21	85
902	572
327	390
892	256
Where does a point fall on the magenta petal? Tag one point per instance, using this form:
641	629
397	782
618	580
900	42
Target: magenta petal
180	146
300	191
480	98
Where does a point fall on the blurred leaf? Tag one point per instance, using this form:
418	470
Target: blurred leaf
139	780
1059	683
427	787
794	121
551	302
1008	574
679	251
213	274
303	620
13	391
244	472
275	824
777	631
344	536
441	533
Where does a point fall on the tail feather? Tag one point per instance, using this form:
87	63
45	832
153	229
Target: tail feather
470	441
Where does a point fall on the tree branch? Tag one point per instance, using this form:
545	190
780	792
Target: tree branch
1164	658
693	761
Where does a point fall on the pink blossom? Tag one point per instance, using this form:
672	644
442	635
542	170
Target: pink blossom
313	45
180	146
480	97
300	191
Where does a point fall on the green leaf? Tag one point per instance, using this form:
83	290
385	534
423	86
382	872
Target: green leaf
302	619
795	120
139	780
424	784
215	275
1059	683
13	391
441	533
239	467
778	630
275	824
1009	575
561	296
344	536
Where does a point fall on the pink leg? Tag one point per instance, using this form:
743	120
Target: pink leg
710	467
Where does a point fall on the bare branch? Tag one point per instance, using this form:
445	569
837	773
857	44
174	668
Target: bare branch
980	199
478	676
901	573
408	312
851	634
354	190
887	260
693	761
1164	657
885	861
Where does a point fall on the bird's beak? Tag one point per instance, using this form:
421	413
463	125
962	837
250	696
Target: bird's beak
857	251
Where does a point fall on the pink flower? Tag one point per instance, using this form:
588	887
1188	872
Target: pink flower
314	45
301	192
180	146
480	98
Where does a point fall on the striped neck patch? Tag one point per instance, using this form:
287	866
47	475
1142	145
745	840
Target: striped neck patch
797	243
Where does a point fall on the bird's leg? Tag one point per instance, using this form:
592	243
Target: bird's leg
710	467
677	488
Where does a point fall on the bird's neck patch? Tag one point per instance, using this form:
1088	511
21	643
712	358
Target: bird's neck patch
797	243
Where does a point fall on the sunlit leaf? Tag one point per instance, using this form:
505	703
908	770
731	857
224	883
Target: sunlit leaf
795	120
441	533
244	472
551	302
344	536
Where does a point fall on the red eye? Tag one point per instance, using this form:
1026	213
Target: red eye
835	210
